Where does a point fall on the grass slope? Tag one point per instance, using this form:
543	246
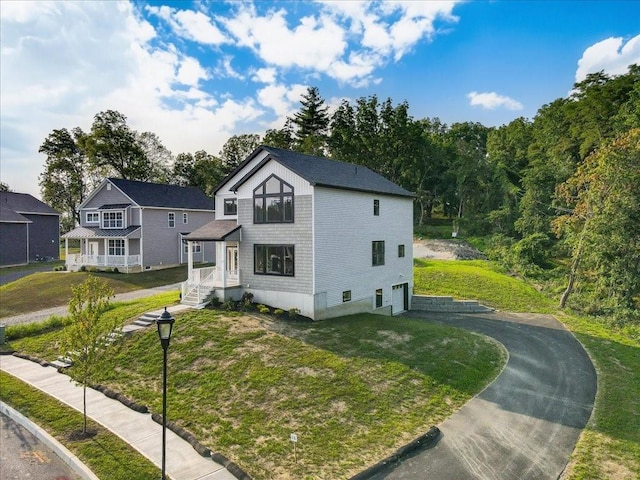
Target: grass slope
43	290
354	389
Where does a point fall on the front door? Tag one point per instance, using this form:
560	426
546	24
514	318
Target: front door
400	298
93	250
232	261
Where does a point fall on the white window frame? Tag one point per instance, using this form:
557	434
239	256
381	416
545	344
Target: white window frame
115	223
90	215
115	247
196	247
171	219
185	217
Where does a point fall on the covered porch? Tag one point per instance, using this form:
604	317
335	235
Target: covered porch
203	283
103	248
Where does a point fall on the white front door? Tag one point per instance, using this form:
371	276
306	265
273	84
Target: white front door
232	260
93	249
399	298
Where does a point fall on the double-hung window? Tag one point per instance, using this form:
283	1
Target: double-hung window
273	201
377	253
376	207
196	247
274	260
116	247
185	218
112	219
172	220
93	217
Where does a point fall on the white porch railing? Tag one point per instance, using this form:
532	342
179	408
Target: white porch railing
202	280
79	259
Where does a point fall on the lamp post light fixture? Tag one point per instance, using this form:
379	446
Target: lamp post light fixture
165	326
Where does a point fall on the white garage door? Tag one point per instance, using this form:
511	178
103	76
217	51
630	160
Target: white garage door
399	298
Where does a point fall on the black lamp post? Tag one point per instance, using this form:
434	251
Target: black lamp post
165	326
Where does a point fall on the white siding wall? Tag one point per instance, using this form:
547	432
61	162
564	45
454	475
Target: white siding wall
345	228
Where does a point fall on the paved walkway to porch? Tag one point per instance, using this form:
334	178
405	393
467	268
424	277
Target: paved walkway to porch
42	315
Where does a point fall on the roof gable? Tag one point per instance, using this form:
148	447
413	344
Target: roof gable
24	203
320	171
146	194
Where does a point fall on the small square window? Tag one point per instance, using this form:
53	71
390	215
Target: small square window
376	207
346	296
400	251
230	206
379	298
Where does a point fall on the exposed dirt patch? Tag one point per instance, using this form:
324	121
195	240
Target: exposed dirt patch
446	250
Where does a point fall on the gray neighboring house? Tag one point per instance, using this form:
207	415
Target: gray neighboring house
328	238
29	230
136	226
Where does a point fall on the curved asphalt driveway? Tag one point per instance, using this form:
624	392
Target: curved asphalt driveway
526	423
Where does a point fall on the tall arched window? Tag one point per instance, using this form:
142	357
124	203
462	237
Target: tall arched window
273	201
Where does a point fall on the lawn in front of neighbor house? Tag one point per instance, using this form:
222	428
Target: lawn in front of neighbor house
44	290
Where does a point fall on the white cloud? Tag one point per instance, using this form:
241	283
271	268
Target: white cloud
284	100
191	25
264	75
492	101
610	55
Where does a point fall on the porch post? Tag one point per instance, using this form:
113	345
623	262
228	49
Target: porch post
106	251
190	259
66	251
224	263
126	252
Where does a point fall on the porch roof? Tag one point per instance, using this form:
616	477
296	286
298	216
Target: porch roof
217	230
95	232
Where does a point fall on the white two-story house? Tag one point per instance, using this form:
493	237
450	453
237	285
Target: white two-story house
136	226
298	231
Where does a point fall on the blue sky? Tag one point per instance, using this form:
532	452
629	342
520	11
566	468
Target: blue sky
196	72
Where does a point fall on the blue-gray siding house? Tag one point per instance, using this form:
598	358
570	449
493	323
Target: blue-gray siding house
29	230
135	226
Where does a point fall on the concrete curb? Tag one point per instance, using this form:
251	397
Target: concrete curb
426	440
67	457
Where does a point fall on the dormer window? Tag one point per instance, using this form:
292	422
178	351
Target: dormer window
273	201
112	219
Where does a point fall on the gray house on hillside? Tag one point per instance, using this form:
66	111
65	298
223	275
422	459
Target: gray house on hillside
136	226
325	237
29	230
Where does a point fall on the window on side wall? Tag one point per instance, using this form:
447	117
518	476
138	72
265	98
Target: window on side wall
185	218
172	220
196	247
230	206
377	253
379	298
400	251
346	296
376	207
93	217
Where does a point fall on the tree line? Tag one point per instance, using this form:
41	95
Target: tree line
565	184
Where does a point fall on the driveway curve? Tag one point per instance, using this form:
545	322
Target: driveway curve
526	423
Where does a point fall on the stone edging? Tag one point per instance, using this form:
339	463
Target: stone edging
426	440
187	436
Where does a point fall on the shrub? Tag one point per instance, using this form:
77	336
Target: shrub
263	309
278	311
83	268
230	305
115	270
294	312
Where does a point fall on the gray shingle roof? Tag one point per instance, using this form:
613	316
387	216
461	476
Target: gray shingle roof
147	194
9	216
215	230
96	232
24	203
324	172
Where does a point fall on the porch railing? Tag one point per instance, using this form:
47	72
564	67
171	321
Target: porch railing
80	259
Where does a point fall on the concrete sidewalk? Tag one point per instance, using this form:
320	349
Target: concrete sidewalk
137	429
63	311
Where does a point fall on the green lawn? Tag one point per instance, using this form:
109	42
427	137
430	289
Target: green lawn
353	389
52	289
